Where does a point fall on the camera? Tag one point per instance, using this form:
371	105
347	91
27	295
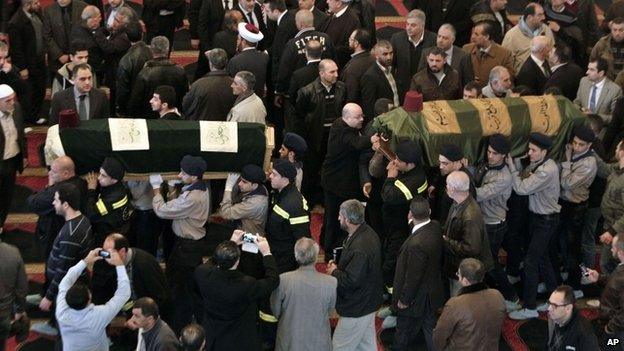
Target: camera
104	254
250	238
584	270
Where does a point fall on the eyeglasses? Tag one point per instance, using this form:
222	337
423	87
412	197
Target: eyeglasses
554	305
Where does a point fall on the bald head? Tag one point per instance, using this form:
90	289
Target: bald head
458	182
304	19
61	169
352	115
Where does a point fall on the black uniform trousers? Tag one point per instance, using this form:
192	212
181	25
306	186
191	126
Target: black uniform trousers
569	240
8	168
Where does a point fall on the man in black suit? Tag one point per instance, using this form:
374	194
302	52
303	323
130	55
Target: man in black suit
249	58
319	16
340	174
380	80
162	18
110	10
227	38
294	56
299	79
27	52
418	289
209	22
88	102
230	298
286	29
211	98
449	11
339	27
566	75
58	19
252	13
364	10
408	47
360	42
13	146
494	13
457	58
536	70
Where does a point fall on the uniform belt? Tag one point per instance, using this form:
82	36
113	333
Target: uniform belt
551	215
495	223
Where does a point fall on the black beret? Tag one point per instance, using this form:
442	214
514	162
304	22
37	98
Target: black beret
584	133
499	143
540	140
285	169
193	165
408	151
113	168
294	142
452	152
253	174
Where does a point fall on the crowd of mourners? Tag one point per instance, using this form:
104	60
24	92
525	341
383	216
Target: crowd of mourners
443	251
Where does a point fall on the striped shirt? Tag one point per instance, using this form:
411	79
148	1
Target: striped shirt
70	246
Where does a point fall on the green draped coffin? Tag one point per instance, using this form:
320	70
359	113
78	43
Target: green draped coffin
169	141
468	123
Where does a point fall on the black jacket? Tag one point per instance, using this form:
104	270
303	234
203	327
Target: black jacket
373	86
352	75
577	334
147	280
226	40
156	72
129	67
310	105
481	12
402	57
230	304
287	221
364	10
531	76
340	172
254	61
302	77
109	211
283	32
455	13
418	276
339	29
209	20
294	57
567	79
466	237
360	286
23	48
210	98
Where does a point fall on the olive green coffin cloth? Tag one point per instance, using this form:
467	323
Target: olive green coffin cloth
169	141
468	123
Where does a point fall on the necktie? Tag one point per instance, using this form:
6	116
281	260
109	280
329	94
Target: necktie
226	4
592	99
250	18
547	71
82	108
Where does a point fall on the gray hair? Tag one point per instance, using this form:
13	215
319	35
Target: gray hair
417	14
127	14
450	28
458	181
218	58
249	79
540	43
496	72
353	211
160	46
88	12
306	251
